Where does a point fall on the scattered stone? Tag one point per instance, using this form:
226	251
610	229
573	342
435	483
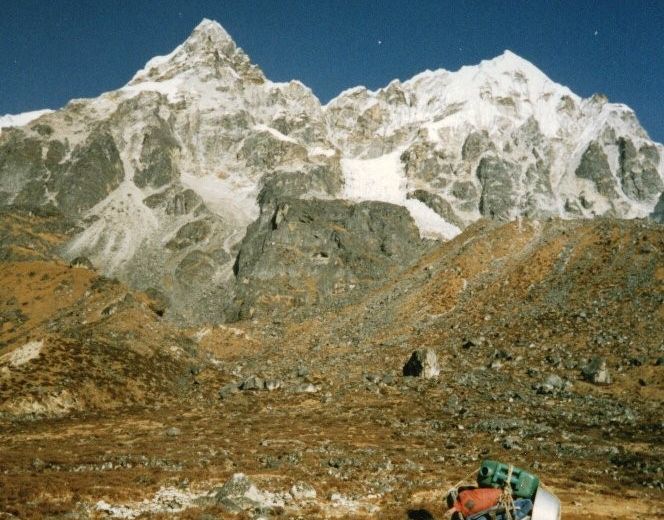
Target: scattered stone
114	511
597	372
503	355
454	405
38	465
388	379
570	364
554	360
241	494
472	342
167	500
252	383
306	388
272	384
173	431
551	384
511	443
303	491
228	390
422	363
496	364
238	494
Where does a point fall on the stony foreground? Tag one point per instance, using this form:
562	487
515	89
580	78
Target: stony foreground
550	352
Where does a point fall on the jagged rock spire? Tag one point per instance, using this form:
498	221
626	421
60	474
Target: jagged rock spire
209	36
208	47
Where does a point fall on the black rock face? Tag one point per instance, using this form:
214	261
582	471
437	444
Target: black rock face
32	168
300	251
638	170
595	167
497	178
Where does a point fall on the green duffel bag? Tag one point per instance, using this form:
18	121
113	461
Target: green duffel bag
494	474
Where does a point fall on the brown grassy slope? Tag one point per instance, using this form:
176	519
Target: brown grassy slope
582	284
101	345
29	236
537	299
534	299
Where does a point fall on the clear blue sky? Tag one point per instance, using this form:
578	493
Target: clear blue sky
55	50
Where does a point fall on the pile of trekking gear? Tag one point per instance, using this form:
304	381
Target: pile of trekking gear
502	492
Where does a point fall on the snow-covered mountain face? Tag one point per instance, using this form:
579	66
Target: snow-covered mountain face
499	140
166	173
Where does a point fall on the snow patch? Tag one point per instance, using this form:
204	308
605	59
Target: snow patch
382	179
230	198
378	179
320	151
154	63
275	133
169	88
504	89
430	223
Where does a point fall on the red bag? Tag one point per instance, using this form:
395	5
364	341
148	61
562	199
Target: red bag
472	501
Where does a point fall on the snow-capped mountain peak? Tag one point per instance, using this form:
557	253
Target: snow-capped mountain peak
210	29
505	90
169	172
207	51
508	63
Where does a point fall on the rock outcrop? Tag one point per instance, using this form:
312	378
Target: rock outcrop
422	363
304	251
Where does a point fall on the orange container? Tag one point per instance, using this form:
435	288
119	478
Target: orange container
471	501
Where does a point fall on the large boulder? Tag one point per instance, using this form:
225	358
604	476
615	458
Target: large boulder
239	494
597	372
422	363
